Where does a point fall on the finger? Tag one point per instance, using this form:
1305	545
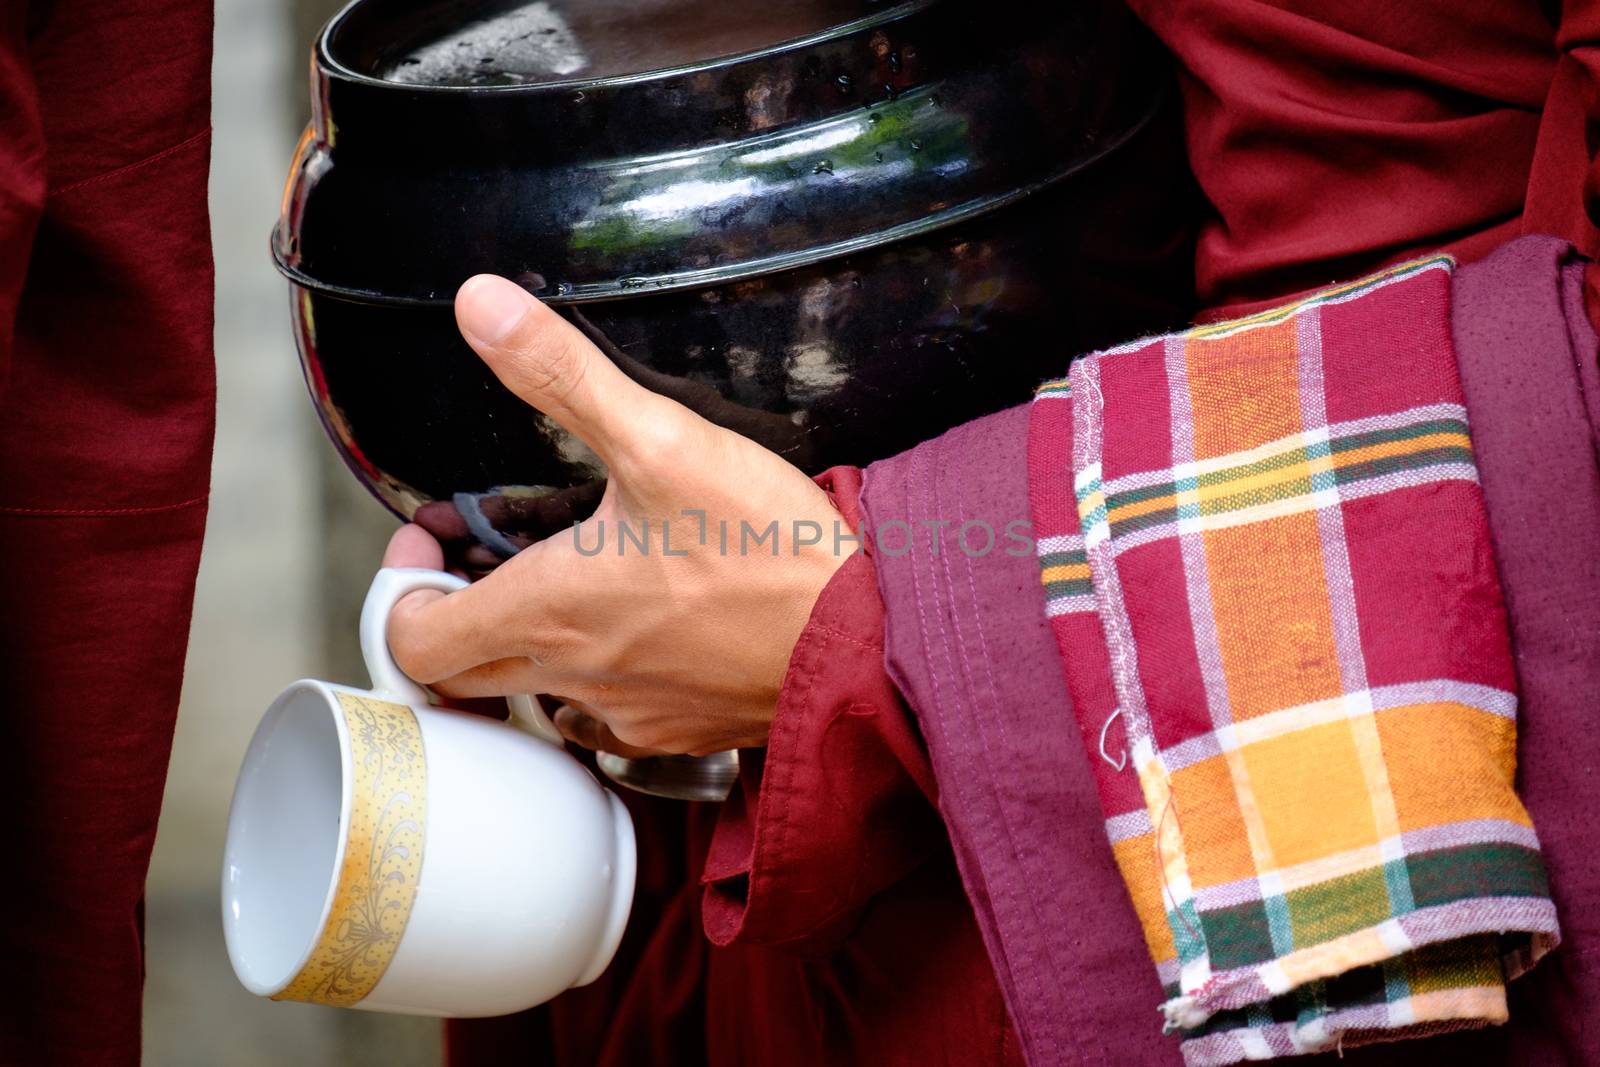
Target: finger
588	730
412	546
509	614
499	678
486	707
545	360
435	635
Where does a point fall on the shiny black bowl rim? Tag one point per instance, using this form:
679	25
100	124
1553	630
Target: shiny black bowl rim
722	274
748	268
326	60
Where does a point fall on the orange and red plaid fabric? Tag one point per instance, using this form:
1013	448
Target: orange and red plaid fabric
1267	563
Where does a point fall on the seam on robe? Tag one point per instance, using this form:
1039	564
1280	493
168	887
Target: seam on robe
129	168
101	513
1015	896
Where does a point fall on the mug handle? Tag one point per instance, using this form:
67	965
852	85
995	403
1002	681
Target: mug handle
388	586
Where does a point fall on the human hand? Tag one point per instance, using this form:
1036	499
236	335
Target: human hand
675	639
519	516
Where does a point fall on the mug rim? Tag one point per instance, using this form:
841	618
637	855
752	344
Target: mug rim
270	722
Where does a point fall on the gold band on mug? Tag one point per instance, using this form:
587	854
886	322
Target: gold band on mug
382	856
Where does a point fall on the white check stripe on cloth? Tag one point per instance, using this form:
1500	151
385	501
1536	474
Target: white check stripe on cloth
1305	439
1081	603
1482	698
1317	499
1059	543
1129	824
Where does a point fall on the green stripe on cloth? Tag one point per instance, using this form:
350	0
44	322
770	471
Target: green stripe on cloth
1290	457
1072	587
1487	870
1292	487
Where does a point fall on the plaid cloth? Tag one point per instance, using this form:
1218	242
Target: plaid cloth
1267	565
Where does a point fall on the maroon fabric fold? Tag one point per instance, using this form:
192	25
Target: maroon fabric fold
1527	356
107	404
968	645
837	808
1331	138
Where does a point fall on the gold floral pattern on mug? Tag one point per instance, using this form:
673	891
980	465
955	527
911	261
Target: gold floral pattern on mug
382	856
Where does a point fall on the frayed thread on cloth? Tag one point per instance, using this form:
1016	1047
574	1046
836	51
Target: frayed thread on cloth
1183	1013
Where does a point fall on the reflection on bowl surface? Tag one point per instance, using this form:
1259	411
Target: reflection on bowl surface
839	247
548	40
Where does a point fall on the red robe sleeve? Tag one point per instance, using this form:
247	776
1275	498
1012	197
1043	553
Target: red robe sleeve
842	803
1564	186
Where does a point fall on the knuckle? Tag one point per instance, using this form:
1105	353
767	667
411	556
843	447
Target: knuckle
658	440
624	729
634	732
553	651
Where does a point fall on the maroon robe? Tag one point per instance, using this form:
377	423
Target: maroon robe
105	340
1331	138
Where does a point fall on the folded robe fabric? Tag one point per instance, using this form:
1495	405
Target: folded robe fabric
1267	565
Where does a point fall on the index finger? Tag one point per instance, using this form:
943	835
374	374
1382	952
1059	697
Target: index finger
435	635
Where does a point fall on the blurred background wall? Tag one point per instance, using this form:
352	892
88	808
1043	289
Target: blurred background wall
291	544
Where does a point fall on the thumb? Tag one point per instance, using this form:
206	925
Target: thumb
412	546
543	359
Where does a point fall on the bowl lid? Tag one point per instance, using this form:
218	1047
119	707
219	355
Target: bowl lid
450	138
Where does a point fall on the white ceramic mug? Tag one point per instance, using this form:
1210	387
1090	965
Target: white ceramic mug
390	855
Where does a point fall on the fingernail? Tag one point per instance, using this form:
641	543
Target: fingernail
488	308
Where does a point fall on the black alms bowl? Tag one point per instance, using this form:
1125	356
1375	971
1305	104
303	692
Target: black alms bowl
838	227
